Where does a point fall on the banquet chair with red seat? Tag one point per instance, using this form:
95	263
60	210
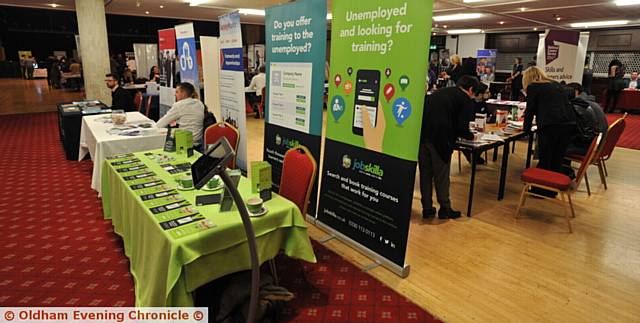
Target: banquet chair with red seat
137	101
557	182
262	103
219	130
296	183
604	151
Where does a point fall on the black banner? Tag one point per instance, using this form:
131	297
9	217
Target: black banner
355	200
277	141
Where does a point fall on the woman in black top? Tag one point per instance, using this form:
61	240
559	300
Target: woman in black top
154	74
455	69
616	84
555	118
516	79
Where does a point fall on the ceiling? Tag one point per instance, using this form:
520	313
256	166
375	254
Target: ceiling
497	15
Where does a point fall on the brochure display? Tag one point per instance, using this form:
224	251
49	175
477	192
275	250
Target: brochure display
296	55
231	85
379	55
561	54
186	46
168	68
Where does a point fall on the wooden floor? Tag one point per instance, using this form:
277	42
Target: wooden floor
492	268
31	96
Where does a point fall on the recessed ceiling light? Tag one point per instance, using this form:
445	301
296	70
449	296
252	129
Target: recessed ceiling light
460	16
535	28
161	7
445	26
558	18
501	22
464	31
147	12
255	12
621	3
138	4
433	33
599	23
194	3
54	5
523	9
436	25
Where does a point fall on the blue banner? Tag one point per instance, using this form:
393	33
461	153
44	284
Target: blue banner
187	59
232	59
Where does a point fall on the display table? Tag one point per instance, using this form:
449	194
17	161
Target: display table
70	121
96	141
40	73
629	100
168	265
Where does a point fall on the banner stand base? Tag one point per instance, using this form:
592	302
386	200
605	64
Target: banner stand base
381	261
327	239
371	266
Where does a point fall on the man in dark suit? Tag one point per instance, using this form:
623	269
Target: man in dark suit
633	82
120	98
446	117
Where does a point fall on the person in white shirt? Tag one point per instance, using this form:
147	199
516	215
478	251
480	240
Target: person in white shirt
633	82
258	83
188	112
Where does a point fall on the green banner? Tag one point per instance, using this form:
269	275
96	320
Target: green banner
379	60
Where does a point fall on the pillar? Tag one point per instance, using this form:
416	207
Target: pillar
94	48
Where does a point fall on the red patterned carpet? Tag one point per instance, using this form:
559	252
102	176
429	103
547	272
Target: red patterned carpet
631	135
56	250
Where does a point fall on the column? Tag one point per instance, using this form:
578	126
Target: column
94	48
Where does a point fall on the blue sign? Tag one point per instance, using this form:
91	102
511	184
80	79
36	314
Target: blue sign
232	59
187	59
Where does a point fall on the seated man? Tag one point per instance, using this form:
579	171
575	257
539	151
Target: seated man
188	112
120	98
601	118
258	83
588	122
633	82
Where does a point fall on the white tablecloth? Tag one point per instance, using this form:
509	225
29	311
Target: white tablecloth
99	144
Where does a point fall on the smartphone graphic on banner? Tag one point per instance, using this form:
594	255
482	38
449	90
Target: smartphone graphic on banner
367	92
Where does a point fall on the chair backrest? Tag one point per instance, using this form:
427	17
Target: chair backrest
148	105
613	135
219	130
298	175
588	157
263	97
137	100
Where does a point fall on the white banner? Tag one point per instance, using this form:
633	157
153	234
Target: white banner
561	54
210	49
146	57
232	95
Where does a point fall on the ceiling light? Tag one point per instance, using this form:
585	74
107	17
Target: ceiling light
621	3
558	18
535	28
523	9
146	12
501	22
329	16
194	3
599	23
471	1
445	26
433	33
460	16
161	7
464	31
255	12
54	5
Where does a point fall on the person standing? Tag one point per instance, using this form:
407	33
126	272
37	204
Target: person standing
446	117
616	84
188	112
23	67
120	98
587	77
555	117
258	82
516	79
454	72
29	62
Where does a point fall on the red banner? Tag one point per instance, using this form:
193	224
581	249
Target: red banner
167	39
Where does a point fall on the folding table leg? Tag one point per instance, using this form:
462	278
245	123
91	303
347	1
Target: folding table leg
471	185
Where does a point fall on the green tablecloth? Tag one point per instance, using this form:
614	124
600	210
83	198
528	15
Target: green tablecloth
166	269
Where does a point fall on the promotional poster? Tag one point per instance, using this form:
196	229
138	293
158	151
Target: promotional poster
187	60
486	65
378	60
232	98
167	64
295	82
561	53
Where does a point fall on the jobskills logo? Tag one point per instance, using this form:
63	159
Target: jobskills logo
286	142
362	166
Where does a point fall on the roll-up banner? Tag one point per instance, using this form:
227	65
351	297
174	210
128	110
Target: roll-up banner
379	54
296	55
232	99
187	60
211	72
561	54
486	64
168	68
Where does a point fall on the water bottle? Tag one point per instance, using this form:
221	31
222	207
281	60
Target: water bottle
499	96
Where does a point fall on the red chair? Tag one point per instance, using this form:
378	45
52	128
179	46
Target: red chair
262	102
137	101
604	151
148	106
298	175
219	130
557	182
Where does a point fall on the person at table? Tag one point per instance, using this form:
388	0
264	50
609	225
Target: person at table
556	120
154	74
632	82
455	71
516	79
120	98
480	96
187	112
446	117
615	86
258	82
